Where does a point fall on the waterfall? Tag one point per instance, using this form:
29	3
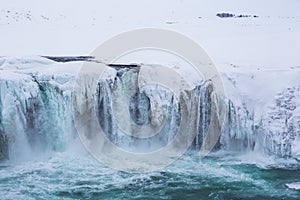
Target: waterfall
144	109
239	132
36	115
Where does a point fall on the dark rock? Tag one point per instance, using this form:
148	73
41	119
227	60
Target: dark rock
3	147
228	15
225	15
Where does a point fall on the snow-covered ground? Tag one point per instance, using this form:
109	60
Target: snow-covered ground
76	28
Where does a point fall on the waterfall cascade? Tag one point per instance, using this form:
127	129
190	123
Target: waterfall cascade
36	115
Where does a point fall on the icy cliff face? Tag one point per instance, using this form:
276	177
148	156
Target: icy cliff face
239	132
37	115
283	122
146	108
35	109
155	107
263	111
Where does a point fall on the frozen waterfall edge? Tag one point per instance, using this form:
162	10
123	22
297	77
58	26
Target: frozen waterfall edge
36	115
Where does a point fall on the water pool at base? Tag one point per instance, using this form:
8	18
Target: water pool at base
69	176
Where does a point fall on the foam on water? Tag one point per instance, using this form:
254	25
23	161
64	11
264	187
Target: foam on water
71	176
295	185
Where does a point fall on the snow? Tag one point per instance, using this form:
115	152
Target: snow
56	28
257	86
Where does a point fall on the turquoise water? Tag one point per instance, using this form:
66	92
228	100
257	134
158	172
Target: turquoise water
69	176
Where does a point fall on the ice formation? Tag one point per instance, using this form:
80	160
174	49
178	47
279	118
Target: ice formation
37	116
